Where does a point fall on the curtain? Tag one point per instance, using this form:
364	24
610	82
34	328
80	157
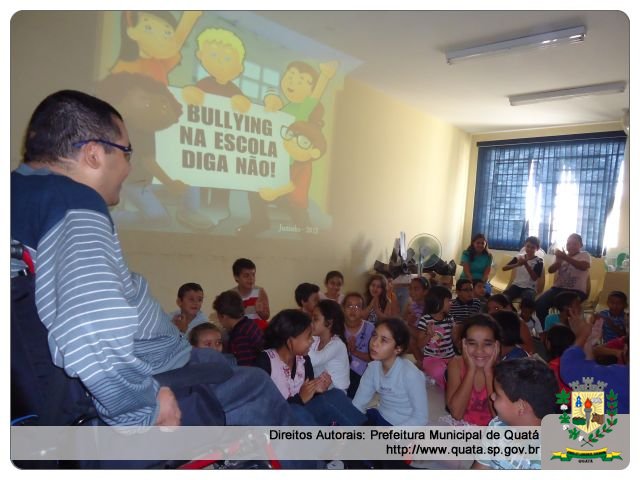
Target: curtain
549	187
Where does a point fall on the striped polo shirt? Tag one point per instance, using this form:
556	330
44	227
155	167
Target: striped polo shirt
104	327
461	311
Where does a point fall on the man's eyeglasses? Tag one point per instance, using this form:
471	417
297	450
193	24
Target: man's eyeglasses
302	141
127	150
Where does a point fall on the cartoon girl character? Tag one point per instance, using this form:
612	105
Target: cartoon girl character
151	42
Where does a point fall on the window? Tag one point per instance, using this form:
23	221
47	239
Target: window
255	82
548	187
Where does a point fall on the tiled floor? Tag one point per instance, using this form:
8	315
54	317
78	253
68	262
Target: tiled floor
437	410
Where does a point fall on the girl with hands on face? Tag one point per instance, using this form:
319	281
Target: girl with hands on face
470	376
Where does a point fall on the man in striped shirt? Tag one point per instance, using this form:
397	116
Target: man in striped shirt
104	327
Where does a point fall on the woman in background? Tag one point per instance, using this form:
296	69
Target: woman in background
476	260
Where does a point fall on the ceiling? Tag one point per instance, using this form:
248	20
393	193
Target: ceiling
402	54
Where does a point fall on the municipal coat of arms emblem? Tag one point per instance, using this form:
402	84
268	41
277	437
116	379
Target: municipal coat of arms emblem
588	415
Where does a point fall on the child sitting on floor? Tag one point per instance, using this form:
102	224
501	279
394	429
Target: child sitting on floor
470	376
333	282
189	300
480	293
436	327
378	302
557	340
524	393
245	337
528	315
564	302
254	298
287	341
357	333
578	360
401	386
307	297
615	318
328	351
510	346
499	302
413	310
206	335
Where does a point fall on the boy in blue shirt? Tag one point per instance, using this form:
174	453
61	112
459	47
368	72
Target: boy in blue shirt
614	325
565	302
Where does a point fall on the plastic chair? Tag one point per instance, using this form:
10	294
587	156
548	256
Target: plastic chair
597	274
620	259
501	279
547	282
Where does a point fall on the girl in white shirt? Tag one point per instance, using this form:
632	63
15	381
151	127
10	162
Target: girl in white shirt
328	351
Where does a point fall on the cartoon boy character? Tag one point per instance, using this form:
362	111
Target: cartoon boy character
221	53
305	143
303	87
151	42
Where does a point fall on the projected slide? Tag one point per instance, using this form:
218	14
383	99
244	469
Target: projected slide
230	118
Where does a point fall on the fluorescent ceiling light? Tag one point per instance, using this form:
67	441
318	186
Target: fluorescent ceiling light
541	40
551	95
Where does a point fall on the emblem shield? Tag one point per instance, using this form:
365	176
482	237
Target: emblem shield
587	410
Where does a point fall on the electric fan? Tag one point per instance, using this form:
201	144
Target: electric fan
425	250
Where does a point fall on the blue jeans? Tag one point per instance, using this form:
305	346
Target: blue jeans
375	418
333	407
248	396
514	292
354	383
208	383
545	301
